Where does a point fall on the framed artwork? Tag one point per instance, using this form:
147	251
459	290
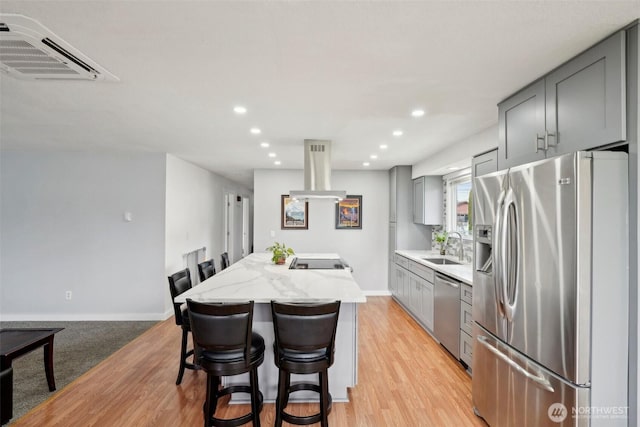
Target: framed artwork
294	214
349	213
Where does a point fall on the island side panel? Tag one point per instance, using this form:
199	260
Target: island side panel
342	375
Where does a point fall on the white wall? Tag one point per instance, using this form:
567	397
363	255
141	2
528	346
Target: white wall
194	214
458	154
62	228
365	250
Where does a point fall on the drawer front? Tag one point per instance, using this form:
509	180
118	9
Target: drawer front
466	318
466	293
402	261
422	270
466	348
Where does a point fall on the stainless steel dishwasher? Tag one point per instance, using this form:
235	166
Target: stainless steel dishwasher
446	318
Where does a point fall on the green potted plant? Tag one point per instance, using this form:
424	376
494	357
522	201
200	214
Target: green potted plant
280	252
441	238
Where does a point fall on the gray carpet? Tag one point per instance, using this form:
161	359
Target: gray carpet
78	348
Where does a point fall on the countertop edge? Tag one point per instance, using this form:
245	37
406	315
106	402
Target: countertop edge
462	272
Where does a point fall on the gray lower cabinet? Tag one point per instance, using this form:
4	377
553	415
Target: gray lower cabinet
414	289
427	304
580	105
466	324
400	287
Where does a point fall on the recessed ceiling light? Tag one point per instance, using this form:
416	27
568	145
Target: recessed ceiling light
264	144
453	168
383	146
239	109
397	132
277	163
272	154
373	156
365	163
417	113
255	131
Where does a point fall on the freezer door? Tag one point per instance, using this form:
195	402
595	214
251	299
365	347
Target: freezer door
512	390
486	307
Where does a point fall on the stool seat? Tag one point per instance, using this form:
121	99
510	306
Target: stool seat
230	361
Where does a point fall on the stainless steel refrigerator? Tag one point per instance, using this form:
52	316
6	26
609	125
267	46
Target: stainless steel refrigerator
550	292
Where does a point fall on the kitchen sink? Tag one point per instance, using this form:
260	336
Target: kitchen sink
441	261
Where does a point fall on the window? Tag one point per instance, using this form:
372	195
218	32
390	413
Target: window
458	211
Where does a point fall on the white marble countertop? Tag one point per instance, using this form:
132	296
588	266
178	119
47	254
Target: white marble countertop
256	278
461	272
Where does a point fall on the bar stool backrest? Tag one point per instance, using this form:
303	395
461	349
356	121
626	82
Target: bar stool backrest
179	283
222	327
206	269
306	327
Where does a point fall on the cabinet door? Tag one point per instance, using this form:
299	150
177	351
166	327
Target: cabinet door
393	182
418	200
415	297
586	99
521	120
392	253
432	200
427	304
393	240
392	278
403	286
427	200
485	163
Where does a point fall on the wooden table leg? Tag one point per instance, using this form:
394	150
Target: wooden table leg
48	363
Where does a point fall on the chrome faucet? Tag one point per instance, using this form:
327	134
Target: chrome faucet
461	247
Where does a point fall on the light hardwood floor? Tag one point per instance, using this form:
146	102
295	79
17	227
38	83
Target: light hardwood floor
405	379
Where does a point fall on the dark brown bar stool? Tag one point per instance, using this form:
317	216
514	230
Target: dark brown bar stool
305	336
206	269
227	346
224	260
179	283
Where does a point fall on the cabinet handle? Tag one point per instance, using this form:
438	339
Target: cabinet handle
546	139
537	140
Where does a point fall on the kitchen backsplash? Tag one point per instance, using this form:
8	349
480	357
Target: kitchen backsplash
452	245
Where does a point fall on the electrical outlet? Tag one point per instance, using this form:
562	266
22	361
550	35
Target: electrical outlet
68	295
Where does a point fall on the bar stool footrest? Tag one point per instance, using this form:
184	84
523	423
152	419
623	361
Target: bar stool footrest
310	419
234	422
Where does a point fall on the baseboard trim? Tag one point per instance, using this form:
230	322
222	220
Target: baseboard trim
66	317
383	293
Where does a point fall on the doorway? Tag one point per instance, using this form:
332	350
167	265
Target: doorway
237	241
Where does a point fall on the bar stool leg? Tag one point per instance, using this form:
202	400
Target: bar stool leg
255	396
324	398
183	352
282	397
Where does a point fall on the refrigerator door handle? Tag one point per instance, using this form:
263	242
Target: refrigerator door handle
511	252
498	255
539	380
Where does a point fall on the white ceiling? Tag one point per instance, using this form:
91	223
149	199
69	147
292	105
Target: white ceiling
348	71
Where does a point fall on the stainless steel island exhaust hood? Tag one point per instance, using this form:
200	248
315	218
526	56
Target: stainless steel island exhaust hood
317	173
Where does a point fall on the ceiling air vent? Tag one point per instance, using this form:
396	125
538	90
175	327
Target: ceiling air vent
30	51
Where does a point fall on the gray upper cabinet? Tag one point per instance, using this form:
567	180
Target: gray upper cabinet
427	200
393	202
578	106
586	99
485	163
520	121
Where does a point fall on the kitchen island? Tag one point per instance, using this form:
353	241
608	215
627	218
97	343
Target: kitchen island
256	278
